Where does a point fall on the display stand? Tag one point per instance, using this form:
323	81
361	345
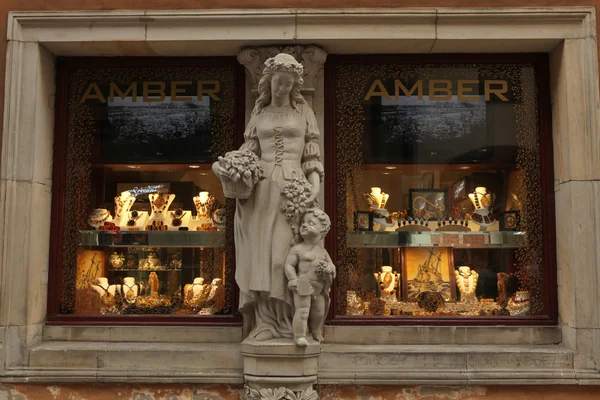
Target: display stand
159	204
130	290
123	204
140	221
185	221
196	223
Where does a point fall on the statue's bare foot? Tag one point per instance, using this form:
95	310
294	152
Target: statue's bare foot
318	337
301	341
264	335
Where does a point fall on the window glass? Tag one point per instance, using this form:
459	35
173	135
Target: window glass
439	191
145	227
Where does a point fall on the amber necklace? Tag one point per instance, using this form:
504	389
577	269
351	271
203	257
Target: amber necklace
130	295
159	204
101	219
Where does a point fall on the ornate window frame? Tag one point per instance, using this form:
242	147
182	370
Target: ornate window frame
32	351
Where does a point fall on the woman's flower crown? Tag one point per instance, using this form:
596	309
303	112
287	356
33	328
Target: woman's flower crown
284	63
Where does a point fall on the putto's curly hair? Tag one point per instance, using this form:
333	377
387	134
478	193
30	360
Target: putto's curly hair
322	217
280	63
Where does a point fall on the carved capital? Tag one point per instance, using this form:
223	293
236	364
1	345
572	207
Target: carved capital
281	393
311	57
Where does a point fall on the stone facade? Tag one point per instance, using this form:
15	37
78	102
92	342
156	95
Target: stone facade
466	358
327	392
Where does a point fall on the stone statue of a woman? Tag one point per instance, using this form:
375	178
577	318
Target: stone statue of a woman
283	133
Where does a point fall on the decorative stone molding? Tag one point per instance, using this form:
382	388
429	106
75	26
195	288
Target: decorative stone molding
281	393
312	59
34	352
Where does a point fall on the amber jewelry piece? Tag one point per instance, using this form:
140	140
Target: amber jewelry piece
133	217
177	216
100	219
159	201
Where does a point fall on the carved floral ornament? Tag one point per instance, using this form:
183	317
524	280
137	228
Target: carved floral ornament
312	59
281	393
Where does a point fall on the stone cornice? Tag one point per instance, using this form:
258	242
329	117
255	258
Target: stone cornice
294	25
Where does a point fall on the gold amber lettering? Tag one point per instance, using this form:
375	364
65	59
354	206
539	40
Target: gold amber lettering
175	91
148	91
97	94
497	91
131	89
211	91
417	86
464	91
446	89
382	92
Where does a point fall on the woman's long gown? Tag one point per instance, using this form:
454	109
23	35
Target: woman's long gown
287	144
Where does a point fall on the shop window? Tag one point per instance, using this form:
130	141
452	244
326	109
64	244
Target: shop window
141	231
440	184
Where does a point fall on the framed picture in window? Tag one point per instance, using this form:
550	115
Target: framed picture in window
510	220
428	269
430	204
363	221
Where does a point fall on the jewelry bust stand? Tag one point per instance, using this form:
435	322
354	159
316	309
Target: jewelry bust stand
159	205
203	203
160	214
195	293
388	282
376	199
123	204
215	300
519	304
130	290
107	295
483	201
466	281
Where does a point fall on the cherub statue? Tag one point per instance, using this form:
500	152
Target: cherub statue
310	274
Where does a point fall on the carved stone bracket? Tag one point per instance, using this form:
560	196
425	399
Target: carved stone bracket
311	57
281	393
278	369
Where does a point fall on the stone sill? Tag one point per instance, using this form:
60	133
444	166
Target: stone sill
132	362
338	364
166	334
431	335
447	365
338	334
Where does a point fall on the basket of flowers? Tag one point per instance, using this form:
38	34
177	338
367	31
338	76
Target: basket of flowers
244	170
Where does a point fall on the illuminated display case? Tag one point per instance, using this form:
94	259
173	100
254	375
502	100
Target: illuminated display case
142	232
439	175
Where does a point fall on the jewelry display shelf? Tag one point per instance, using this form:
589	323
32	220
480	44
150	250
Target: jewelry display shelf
473	240
152	239
143	270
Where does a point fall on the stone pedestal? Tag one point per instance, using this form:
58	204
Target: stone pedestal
278	369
